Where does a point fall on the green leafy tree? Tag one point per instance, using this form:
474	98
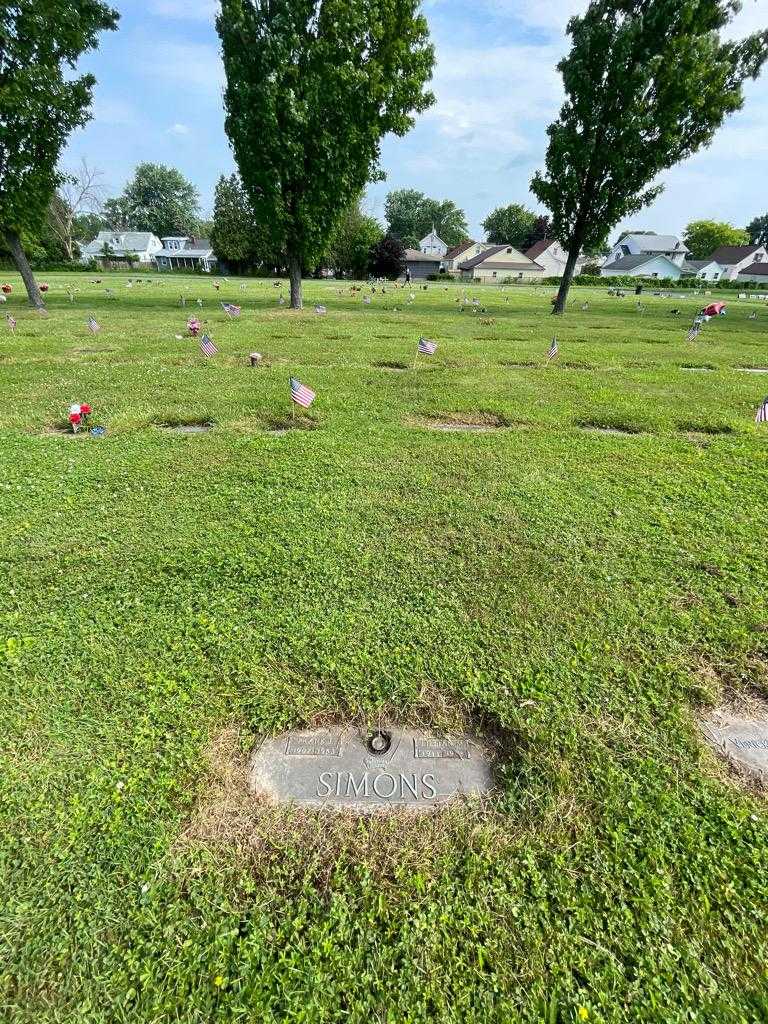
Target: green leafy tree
157	199
312	87
702	237
349	249
236	238
758	230
387	257
85	226
42	101
411	215
509	225
116	214
647	83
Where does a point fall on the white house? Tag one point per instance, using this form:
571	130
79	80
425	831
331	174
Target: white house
463	252
647	265
757	273
705	270
178	252
635	244
142	245
433	245
500	263
735	259
550	255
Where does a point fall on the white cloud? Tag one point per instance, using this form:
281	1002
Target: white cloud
114	112
177	129
188	64
189	10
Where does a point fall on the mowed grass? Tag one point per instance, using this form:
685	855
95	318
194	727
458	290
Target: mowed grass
578	596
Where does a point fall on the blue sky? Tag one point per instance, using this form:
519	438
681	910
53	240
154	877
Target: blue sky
158	98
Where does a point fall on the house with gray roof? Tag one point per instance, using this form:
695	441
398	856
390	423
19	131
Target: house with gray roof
737	259
117	245
500	263
705	270
642	265
422	264
650	244
179	252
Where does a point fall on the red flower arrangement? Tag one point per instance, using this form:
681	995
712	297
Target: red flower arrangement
43	287
193	326
78	415
6	289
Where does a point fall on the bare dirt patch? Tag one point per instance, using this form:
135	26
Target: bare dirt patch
452	422
280	425
616	429
529	365
186	426
707	430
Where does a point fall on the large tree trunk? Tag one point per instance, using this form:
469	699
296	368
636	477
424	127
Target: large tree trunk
23	267
566	280
294	276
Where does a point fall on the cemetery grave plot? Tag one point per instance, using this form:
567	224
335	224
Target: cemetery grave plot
174	607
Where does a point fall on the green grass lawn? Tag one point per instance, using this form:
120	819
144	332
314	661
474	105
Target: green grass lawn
577	596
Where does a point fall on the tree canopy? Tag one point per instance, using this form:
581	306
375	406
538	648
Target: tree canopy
157	199
702	237
411	215
237	239
312	87
387	257
647	83
349	249
510	225
42	101
757	230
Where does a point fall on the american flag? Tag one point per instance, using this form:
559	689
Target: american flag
93	324
554	350
693	333
428	348
761	416
231	309
11	322
207	347
301	394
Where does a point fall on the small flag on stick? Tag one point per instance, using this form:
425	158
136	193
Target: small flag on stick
231	309
93	324
207	346
426	347
11	322
554	351
301	394
762	413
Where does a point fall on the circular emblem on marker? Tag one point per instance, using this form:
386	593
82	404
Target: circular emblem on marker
379	742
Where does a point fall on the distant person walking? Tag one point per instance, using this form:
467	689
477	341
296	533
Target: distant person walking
407	275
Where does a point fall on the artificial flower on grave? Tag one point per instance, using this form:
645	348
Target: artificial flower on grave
43	287
193	326
6	289
78	415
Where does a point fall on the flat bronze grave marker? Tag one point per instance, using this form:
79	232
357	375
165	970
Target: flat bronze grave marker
344	769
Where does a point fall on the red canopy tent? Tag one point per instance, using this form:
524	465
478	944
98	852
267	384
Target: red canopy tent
714	309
